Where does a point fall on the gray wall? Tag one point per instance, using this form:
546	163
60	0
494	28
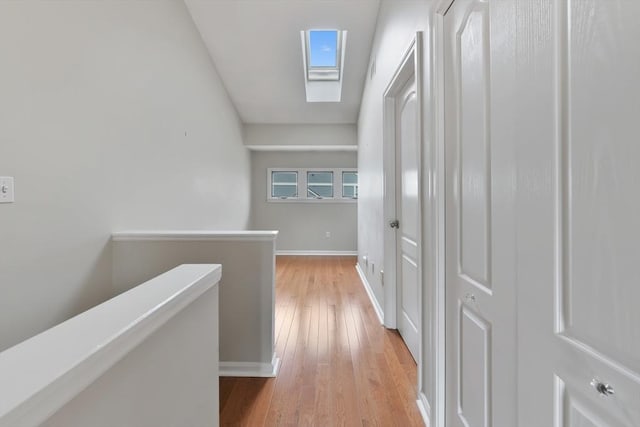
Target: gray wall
134	392
247	287
112	116
297	134
303	226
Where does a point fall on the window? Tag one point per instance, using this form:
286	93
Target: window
350	184
323	54
323	49
284	184
312	185
319	185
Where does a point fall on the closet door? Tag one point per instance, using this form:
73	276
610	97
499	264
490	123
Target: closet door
579	213
480	224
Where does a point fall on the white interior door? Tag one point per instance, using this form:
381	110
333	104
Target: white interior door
580	232
480	221
408	213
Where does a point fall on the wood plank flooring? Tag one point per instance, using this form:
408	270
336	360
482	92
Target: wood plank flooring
339	366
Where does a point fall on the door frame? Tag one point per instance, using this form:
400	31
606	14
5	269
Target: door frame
411	62
438	198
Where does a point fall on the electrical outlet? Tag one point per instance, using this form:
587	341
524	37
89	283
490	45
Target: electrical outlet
327	234
6	189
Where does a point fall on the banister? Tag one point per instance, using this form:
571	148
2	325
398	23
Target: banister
43	373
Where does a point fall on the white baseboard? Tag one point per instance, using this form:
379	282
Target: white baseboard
372	297
250	369
424	408
318	253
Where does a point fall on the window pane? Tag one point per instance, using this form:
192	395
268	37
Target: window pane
323	49
350	191
284	177
350	185
284	184
320	178
283	191
319	184
349	177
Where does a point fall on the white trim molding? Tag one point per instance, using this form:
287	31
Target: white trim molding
424	408
250	369
322	201
372	297
193	235
316	253
302	147
437	214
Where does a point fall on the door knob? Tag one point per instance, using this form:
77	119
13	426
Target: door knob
603	388
394	224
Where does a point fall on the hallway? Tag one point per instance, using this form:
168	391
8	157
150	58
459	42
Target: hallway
339	366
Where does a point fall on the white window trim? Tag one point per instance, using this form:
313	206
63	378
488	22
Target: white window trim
323	90
302	186
323	73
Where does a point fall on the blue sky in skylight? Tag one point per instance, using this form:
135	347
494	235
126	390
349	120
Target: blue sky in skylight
322	48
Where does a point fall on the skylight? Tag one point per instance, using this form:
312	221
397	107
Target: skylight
323	48
323	55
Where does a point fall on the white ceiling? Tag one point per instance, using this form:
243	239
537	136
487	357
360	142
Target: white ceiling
256	47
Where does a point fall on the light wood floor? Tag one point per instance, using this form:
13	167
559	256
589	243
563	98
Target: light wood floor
340	367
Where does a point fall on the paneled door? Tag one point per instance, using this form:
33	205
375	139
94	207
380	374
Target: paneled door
407	210
480	222
579	235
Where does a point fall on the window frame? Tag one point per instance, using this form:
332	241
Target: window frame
322	184
302	196
296	184
323	73
355	186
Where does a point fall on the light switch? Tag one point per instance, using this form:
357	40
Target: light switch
6	189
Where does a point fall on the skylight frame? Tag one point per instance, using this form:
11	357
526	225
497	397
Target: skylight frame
323	73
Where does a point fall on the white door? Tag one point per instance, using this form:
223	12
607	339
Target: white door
480	221
407	211
579	210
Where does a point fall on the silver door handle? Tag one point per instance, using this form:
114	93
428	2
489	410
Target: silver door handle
603	388
394	224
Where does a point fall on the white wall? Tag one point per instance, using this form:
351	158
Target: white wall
398	22
111	117
302	226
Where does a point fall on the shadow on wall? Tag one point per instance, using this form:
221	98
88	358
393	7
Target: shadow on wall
92	287
95	287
